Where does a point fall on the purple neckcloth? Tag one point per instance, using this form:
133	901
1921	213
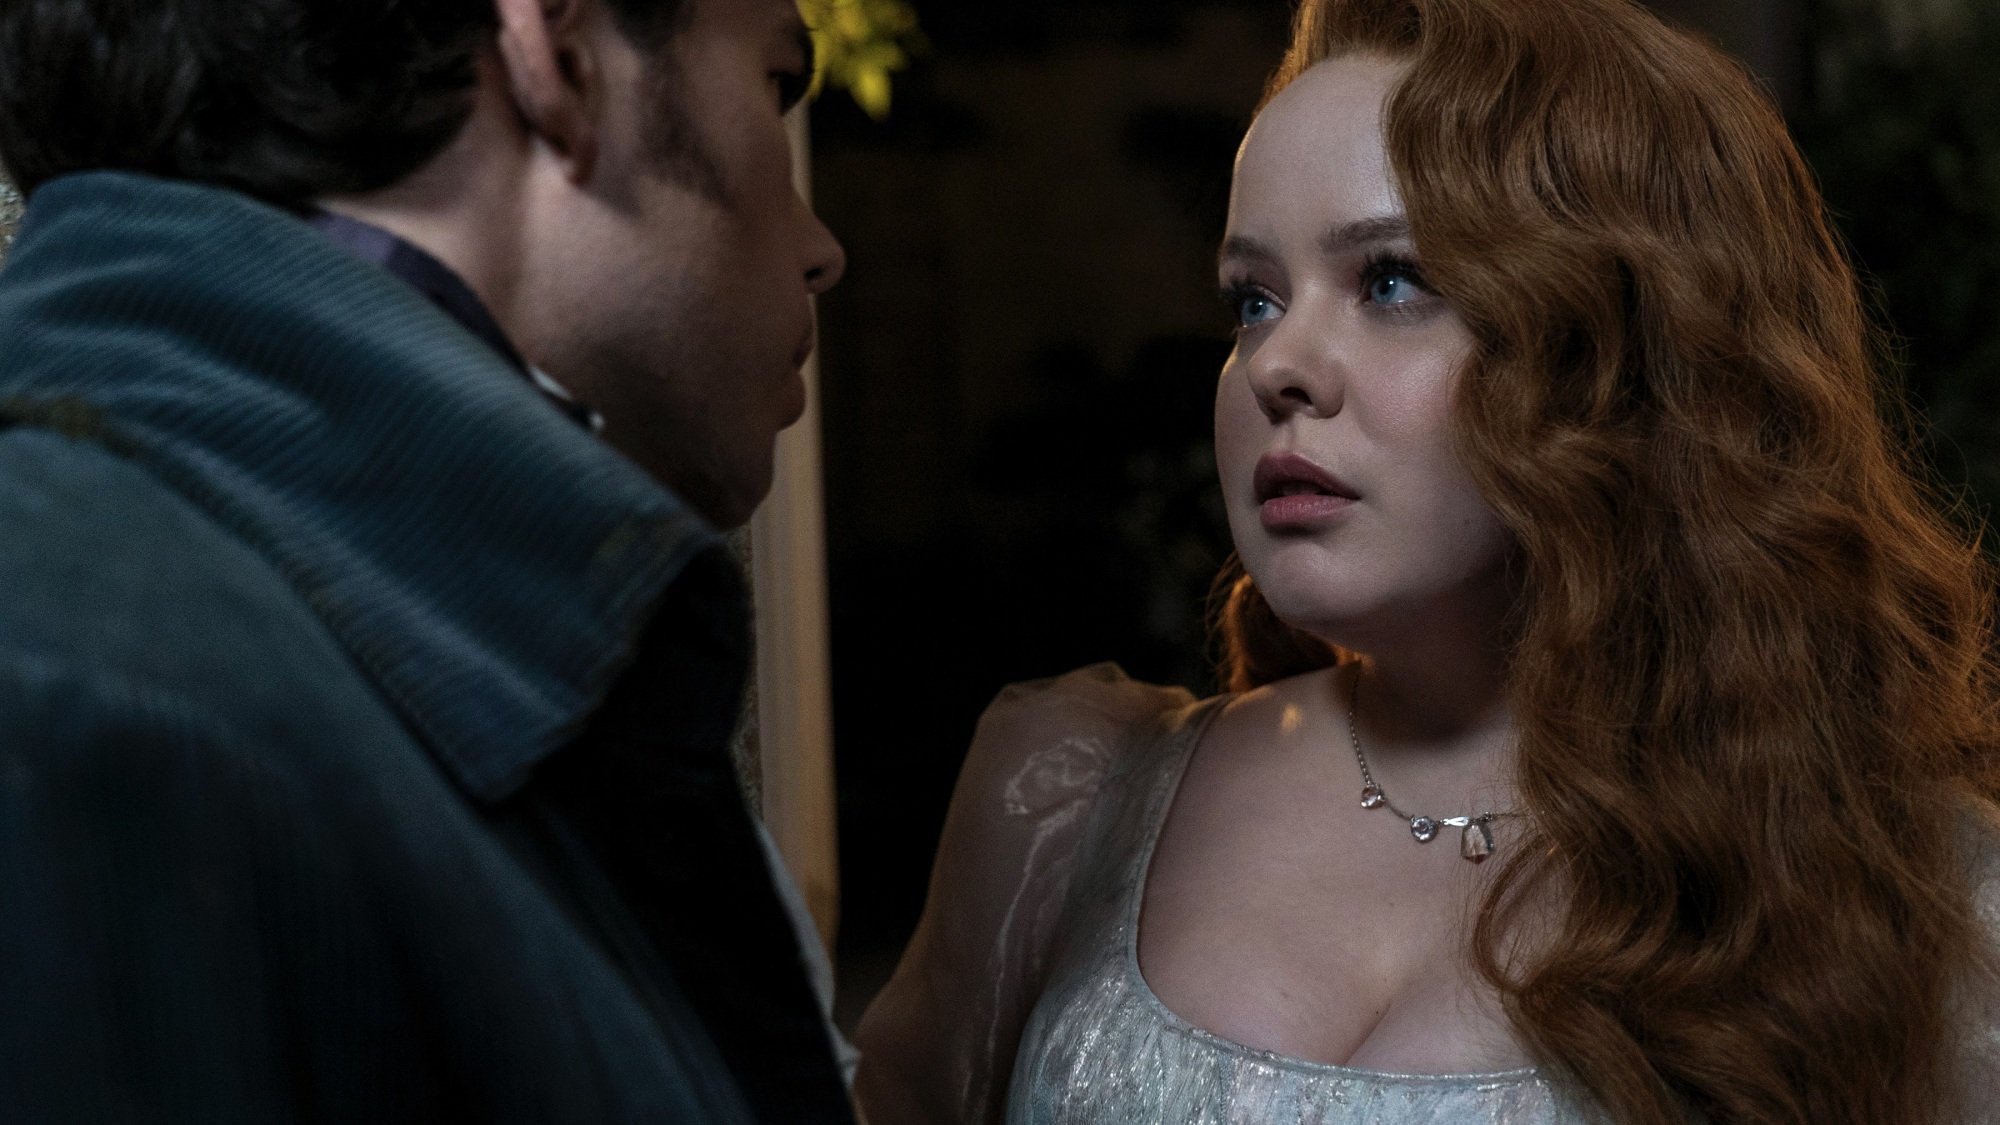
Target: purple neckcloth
447	291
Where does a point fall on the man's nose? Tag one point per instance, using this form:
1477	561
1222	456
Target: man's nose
825	259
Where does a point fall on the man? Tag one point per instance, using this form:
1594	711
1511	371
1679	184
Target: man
363	709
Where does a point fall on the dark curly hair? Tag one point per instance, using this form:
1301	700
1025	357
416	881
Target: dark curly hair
286	100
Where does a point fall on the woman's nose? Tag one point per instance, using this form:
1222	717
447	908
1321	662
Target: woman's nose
1295	369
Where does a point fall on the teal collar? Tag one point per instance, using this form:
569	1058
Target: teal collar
486	561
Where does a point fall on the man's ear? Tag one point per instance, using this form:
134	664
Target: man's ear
552	76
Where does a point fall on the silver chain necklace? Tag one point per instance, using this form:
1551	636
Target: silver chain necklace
1475	840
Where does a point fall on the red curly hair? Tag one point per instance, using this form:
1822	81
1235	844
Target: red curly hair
1752	670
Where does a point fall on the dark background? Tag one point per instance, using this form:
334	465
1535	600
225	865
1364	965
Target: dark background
1018	369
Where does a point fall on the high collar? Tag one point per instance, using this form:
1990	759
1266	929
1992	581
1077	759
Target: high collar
485	560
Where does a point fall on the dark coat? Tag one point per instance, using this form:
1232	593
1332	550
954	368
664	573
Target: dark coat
311	804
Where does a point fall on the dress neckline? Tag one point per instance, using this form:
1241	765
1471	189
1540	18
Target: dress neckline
1165	786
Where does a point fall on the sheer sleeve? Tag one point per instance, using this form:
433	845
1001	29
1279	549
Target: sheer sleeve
937	1045
1977	1022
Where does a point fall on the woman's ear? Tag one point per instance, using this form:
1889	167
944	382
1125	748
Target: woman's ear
550	72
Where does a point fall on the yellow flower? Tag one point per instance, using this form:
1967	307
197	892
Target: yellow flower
860	43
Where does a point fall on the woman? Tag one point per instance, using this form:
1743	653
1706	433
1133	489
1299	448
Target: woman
1552	450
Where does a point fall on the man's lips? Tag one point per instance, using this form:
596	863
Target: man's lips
797	409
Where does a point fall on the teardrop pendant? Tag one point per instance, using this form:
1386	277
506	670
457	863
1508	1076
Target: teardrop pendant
1475	841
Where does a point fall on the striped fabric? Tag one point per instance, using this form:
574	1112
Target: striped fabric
306	596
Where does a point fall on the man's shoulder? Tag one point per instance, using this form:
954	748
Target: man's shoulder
214	827
147	652
116	580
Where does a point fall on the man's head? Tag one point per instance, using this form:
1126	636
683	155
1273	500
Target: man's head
675	291
288	100
611	176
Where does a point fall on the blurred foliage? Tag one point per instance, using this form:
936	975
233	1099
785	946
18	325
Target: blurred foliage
1903	128
1123	468
859	44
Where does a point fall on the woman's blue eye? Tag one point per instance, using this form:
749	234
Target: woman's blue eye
1253	308
1390	288
1390	281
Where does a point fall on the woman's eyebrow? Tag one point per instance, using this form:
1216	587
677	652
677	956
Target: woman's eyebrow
1337	239
1240	248
1343	237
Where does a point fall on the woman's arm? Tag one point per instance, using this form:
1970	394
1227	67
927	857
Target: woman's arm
938	1043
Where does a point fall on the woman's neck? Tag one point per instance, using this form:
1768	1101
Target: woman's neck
1434	719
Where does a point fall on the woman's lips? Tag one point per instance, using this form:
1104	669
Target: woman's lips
1294	494
1302	512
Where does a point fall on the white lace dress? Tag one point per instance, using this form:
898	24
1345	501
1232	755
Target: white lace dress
1028	990
1100	1047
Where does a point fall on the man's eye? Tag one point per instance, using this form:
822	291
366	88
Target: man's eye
791	86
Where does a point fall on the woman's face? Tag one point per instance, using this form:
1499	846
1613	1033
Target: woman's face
1347	501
